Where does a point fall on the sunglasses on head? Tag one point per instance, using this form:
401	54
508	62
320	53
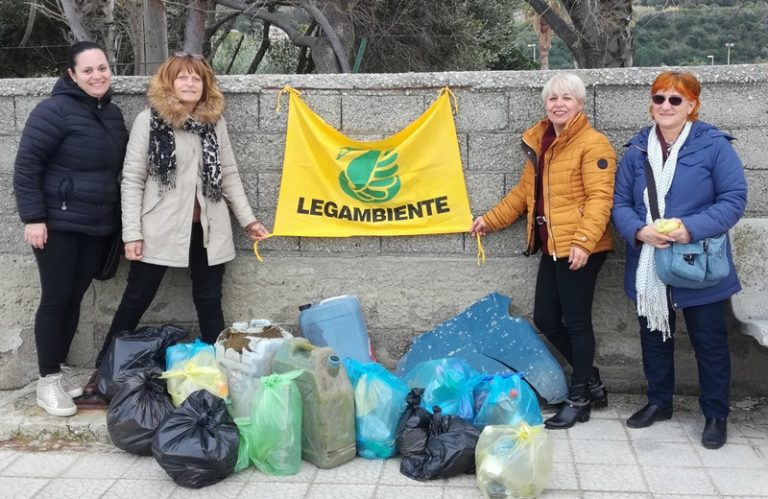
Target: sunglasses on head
198	57
674	100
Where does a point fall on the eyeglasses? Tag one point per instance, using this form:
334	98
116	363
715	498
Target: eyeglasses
674	100
197	57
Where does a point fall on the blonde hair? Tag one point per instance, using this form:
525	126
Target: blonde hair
564	83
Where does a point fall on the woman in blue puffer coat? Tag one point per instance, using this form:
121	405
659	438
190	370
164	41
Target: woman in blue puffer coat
702	190
68	196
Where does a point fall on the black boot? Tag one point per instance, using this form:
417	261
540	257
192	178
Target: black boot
575	408
597	391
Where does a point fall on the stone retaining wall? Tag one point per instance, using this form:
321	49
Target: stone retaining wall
406	284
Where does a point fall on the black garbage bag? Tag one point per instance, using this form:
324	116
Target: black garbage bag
143	348
137	409
434	446
413	429
197	443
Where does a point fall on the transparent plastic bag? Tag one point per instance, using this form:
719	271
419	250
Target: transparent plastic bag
271	437
184	351
513	461
447	383
200	372
379	405
507	401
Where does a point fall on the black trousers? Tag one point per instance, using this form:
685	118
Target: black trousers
66	265
562	310
709	338
144	280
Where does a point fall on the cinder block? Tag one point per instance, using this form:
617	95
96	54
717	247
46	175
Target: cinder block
494	152
24	106
7	123
757	195
7	198
509	242
485	190
242	113
12	235
622	108
362	245
325	105
732	105
482	111
525	108
371	113
750	144
8	146
268	189
433	244
257	151
250	182
131	106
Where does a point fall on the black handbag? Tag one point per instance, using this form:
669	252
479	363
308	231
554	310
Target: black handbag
110	259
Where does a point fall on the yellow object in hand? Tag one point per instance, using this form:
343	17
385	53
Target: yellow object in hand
665	226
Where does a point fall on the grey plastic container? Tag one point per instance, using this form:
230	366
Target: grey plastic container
328	420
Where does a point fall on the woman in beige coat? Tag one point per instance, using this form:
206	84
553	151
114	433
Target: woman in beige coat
179	183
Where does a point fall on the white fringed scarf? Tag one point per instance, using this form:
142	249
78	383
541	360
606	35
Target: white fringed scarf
651	292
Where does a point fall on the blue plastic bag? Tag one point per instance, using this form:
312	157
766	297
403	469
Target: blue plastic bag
447	383
506	400
184	351
379	405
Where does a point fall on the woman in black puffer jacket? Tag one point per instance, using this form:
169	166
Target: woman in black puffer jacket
68	196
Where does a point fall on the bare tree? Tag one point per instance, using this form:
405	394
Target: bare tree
194	30
92	20
597	32
329	53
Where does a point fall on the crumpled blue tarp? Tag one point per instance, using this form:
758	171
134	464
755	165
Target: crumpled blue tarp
492	342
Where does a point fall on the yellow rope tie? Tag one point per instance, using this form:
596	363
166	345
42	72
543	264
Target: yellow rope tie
480	251
453	99
525	433
285	90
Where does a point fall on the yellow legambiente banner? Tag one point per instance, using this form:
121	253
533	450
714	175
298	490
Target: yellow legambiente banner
407	184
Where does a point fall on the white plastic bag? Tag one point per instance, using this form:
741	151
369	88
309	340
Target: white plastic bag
246	355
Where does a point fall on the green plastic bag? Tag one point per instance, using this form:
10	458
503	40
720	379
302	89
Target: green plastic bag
271	437
513	461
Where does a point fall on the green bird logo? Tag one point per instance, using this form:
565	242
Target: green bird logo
370	176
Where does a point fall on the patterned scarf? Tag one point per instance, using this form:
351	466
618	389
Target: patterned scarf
162	155
651	292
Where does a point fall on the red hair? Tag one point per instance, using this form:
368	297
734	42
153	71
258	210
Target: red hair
685	84
170	69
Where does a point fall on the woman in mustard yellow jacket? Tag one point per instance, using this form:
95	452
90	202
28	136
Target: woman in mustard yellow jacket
567	191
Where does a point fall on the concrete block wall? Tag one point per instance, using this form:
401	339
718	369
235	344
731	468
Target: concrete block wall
406	284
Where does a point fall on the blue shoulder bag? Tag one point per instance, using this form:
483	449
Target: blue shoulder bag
694	265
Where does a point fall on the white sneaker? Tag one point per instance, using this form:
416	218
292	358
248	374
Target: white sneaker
52	398
71	390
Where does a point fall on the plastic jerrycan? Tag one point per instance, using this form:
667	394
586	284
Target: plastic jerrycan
337	322
328	413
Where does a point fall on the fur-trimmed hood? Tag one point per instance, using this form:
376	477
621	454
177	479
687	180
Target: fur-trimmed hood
172	111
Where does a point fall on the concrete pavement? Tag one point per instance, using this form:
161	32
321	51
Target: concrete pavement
46	457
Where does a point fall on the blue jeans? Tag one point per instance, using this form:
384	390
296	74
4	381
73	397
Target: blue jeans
562	310
144	280
709	337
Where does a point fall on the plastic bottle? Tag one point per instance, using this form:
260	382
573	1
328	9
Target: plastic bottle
337	322
328	420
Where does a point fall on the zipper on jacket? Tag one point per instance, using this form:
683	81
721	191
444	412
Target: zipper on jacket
533	158
548	205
